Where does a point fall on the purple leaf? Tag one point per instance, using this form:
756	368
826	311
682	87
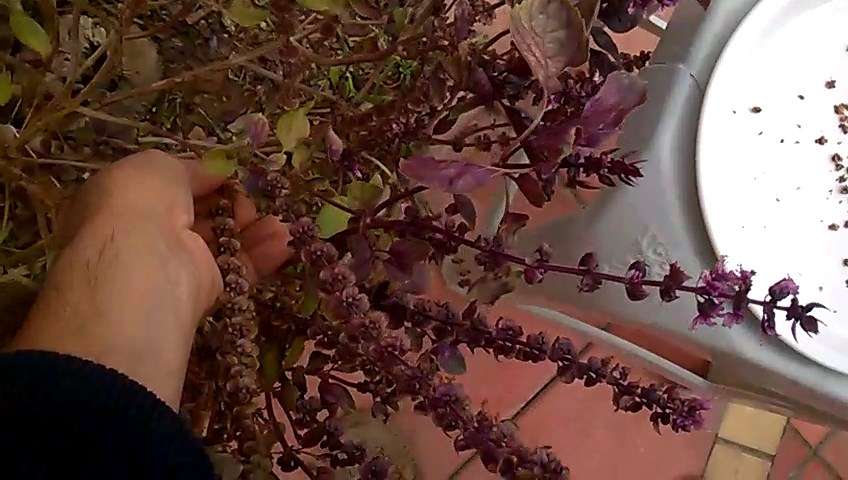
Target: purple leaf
419	281
531	189
414	281
316	363
606	43
449	358
555	136
313	437
605	112
588	262
545	145
490	457
449	119
511	223
621	16
360	250
407	252
481	85
519	120
380	411
335	394
551	36
335	146
450	176
462	20
254	126
445	124
465	208
783	289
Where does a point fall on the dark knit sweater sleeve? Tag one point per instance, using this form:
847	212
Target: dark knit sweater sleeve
66	418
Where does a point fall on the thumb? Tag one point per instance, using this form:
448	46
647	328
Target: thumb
211	285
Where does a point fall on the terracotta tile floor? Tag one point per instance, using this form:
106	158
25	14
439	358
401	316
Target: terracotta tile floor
811	452
578	423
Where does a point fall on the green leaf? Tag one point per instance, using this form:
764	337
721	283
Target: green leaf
331	220
300	157
292	128
5	87
325	6
294	352
335	74
4	232
399	15
276	161
29	32
226	466
270	356
217	162
310	300
363	195
288	395
245	14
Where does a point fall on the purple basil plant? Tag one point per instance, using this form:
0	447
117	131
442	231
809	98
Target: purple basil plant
332	115
558	89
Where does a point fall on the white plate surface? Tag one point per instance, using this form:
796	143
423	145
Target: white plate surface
768	192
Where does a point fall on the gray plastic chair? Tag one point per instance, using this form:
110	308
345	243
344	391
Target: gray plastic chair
660	221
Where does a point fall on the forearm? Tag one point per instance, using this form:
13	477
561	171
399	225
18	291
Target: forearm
64	417
98	304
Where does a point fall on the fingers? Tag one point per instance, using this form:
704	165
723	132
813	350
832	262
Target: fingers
200	181
211	283
266	245
244	210
151	181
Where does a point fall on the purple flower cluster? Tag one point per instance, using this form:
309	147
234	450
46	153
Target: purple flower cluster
723	295
506	339
371	341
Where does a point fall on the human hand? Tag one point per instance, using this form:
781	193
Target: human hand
135	274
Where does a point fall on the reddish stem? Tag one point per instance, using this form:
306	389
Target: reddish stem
409	227
281	436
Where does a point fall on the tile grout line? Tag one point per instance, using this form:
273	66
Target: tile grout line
827	438
548	385
751	451
744	449
810	455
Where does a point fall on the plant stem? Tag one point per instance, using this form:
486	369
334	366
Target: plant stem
369	57
341	380
516	144
410	227
191	74
338	205
183	12
145	127
394	199
494	40
114	46
281	436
